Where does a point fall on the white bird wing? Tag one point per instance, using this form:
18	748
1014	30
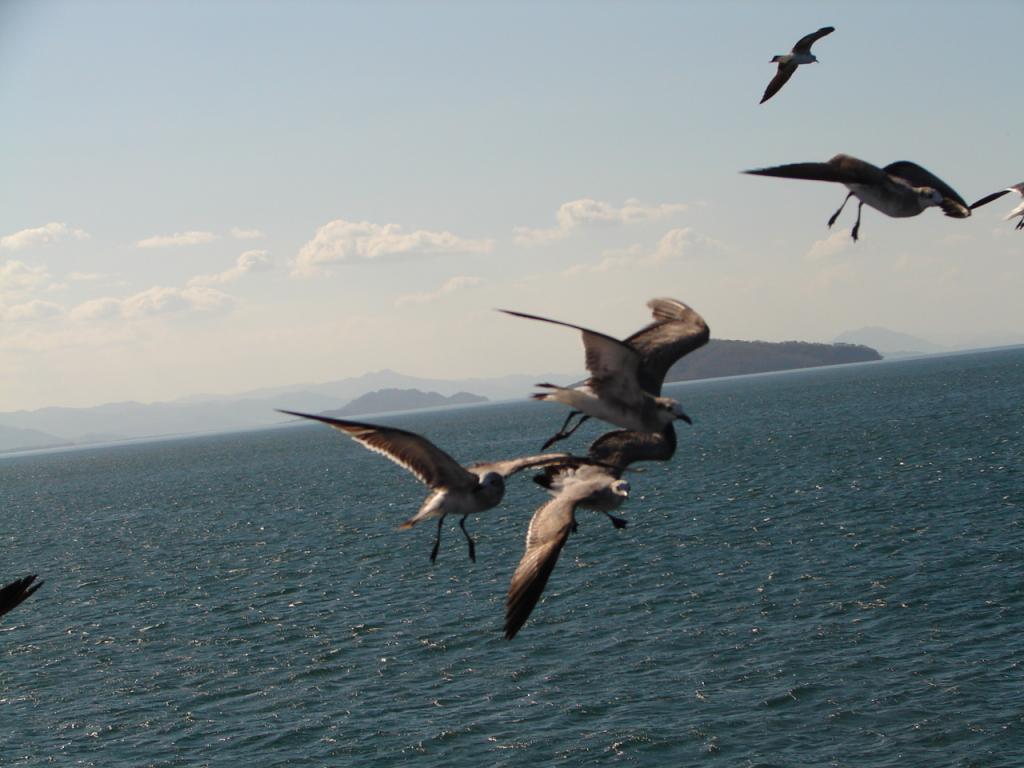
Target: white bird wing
408	450
549	529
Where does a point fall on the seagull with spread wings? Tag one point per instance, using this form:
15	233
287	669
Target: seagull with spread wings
455	490
625	381
549	529
788	62
1018	211
12	595
901	189
609	456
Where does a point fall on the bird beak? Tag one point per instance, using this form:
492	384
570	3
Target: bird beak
685	418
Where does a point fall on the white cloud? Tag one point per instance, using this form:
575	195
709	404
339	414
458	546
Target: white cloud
672	245
246	234
449	286
97	309
18	277
48	233
345	241
32	310
179	238
831	246
84	277
586	211
157	300
250	261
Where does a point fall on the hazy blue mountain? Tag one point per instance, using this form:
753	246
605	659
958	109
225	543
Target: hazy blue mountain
890	343
12	438
495	388
391	400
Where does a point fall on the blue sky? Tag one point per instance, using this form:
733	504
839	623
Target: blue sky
218	196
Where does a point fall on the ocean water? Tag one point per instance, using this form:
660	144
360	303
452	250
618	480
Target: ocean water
830	572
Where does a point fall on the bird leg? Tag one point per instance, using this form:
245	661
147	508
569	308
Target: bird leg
437	540
836	214
618	522
469	540
856	226
562	434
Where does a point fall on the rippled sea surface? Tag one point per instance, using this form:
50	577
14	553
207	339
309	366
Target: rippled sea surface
830	572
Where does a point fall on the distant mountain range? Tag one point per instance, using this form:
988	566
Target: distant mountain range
890	343
388	400
376	392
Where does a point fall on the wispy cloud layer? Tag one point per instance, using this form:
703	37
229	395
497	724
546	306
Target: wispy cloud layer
449	286
48	233
246	234
587	211
177	239
673	245
342	241
157	300
36	309
18	277
250	261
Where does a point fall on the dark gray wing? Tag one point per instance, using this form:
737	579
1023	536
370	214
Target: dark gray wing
844	169
12	595
408	450
549	529
1018	188
782	75
989	198
803	45
677	330
916	176
613	364
622	447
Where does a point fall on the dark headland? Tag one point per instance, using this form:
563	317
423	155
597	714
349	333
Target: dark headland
726	357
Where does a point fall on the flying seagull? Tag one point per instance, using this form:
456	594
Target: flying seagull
455	490
900	189
611	454
1018	211
14	593
801	54
625	381
549	529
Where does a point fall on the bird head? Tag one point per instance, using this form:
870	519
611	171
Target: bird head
671	410
621	488
929	196
492	487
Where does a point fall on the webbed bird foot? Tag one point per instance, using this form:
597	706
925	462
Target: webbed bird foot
618	522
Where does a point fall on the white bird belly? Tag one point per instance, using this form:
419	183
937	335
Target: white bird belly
889	200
